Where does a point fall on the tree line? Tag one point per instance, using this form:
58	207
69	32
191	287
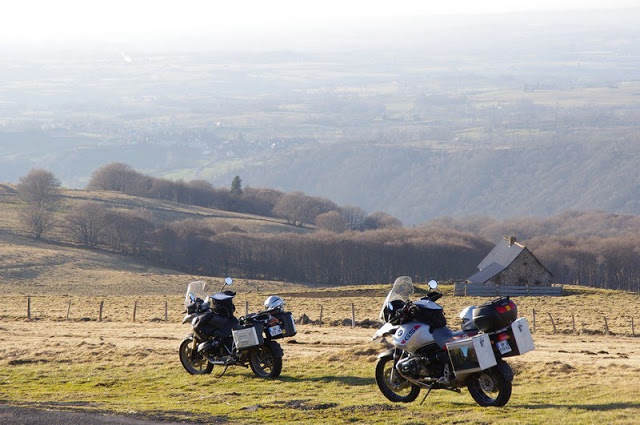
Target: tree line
346	246
296	208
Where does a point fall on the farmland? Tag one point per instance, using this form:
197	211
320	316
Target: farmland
64	358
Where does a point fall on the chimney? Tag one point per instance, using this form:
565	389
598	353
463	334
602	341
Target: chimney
511	240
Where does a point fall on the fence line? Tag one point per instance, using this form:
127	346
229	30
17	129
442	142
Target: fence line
570	327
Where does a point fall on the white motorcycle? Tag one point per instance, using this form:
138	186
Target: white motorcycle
427	354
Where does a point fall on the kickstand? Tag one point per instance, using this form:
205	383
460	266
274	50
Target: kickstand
224	371
425	396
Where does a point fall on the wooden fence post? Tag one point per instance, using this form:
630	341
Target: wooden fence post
135	307
68	309
320	321
101	308
28	308
552	323
573	322
606	326
633	330
534	320
353	315
246	308
166	311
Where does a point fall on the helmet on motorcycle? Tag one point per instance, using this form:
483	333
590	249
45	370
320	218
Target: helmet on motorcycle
273	302
466	315
392	308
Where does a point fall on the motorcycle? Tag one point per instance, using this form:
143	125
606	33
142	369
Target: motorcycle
426	354
218	338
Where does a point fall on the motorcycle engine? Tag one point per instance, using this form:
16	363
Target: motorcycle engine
417	367
413	367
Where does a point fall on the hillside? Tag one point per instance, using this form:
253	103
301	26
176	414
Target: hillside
526	114
60	266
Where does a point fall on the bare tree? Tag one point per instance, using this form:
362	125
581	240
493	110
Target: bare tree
299	209
129	231
115	176
354	216
86	223
38	220
381	220
39	188
332	221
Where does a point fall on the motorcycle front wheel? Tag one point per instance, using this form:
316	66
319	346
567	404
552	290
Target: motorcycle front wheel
264	362
192	362
489	388
392	385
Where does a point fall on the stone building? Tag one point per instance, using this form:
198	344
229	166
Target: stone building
511	264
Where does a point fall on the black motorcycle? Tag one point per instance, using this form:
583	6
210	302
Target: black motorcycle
219	338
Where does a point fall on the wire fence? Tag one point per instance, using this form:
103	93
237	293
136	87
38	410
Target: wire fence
170	309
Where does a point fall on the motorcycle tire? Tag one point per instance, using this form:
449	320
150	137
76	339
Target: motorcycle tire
264	362
489	388
193	363
399	390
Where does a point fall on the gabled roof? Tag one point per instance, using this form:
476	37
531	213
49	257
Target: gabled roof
503	254
498	259
486	273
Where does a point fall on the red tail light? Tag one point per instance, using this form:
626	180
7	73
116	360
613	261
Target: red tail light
503	336
504	308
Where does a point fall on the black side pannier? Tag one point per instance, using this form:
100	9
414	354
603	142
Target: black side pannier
288	325
495	314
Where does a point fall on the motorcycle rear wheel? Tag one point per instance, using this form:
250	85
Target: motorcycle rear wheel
489	388
193	363
396	389
264	362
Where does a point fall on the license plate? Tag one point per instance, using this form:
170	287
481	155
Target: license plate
503	347
277	330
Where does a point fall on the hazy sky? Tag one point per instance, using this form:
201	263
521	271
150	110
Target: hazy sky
128	20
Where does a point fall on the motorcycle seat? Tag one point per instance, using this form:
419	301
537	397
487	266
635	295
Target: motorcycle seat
444	334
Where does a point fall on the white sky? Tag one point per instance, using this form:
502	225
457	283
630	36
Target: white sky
128	20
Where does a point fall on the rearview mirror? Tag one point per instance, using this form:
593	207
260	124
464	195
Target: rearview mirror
433	284
228	281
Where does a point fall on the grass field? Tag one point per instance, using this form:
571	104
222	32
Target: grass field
132	368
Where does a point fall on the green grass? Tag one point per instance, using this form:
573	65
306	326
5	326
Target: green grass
317	391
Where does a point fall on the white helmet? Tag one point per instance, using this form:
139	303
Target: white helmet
273	302
466	316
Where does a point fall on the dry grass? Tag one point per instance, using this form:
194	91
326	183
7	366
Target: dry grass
132	368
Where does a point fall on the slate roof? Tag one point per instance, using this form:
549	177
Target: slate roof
498	259
503	254
487	273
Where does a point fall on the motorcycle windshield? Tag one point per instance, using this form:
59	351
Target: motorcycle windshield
195	290
401	290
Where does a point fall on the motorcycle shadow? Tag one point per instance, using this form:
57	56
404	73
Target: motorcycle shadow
354	381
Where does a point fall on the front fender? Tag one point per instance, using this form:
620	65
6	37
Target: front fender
389	353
